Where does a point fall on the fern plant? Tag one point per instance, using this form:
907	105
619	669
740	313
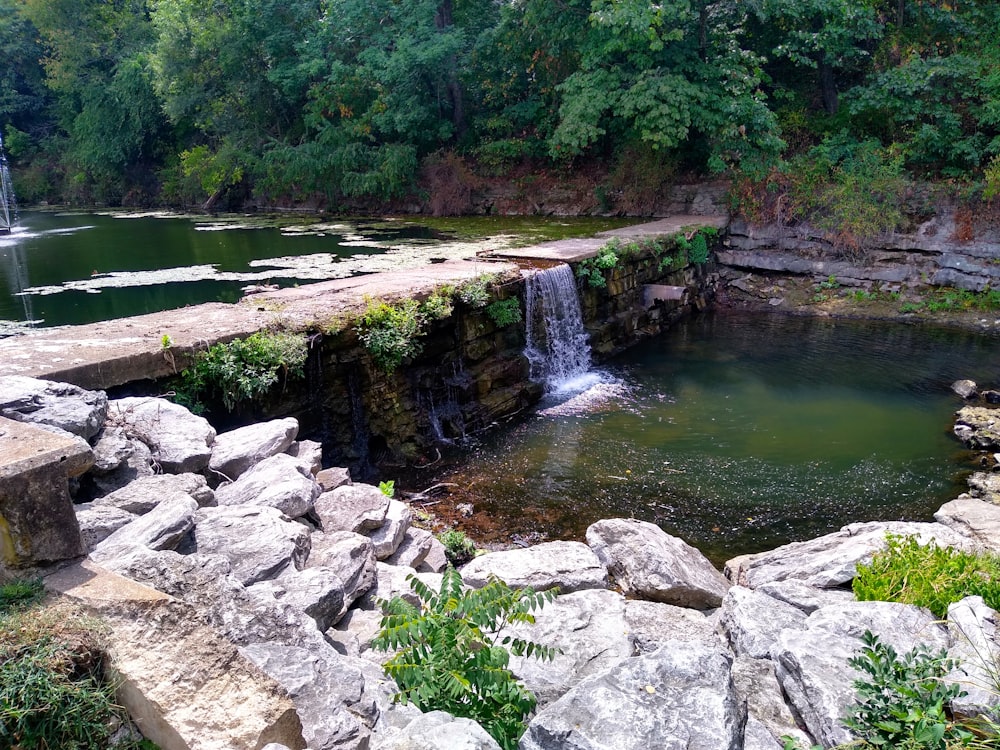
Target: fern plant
450	656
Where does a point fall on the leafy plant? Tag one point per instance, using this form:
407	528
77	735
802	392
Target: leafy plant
504	312
591	270
243	369
902	701
927	575
458	548
388	488
390	332
437	307
448	655
476	292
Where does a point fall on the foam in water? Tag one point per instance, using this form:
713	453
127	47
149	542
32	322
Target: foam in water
557	348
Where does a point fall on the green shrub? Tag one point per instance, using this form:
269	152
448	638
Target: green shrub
592	269
458	548
504	312
243	369
437	307
476	292
390	333
448	656
902	701
927	575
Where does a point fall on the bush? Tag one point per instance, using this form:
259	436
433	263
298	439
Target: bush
476	292
243	369
448	656
592	269
504	312
458	548
902	701
390	332
927	575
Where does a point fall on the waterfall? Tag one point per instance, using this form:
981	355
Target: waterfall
557	346
8	205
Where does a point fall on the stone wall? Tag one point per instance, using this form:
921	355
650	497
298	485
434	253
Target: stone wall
469	374
945	250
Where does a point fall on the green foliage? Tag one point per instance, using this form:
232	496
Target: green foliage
437	307
242	370
902	701
476	292
387	488
19	593
504	312
390	332
927	575
591	270
450	656
458	548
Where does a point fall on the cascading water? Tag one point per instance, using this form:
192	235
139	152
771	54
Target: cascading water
557	348
8	205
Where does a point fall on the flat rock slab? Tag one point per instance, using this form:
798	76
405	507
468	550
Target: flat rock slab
234	452
974	518
61	405
183	685
570	566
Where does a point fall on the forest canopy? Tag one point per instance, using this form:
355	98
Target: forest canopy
192	101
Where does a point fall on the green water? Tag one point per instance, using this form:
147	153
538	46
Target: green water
73	268
740	433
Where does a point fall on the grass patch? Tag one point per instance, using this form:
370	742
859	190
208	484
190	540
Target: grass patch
928	575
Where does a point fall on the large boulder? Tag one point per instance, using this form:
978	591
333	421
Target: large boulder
351	556
309	453
413	550
832	560
318	592
336	697
752	621
61	405
279	481
120	459
570	566
978	427
975	647
180	441
259	542
162	528
387	537
589	631
811	663
438	730
236	451
802	596
98	522
769	718
649	624
973	518
352	507
986	486
676	698
145	493
651	564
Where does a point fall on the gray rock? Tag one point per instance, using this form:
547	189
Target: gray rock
966	388
811	664
677	698
389	535
438	730
978	427
413	550
278	482
334	477
831	560
259	542
351	556
973	627
802	596
436	559
335	696
111	449
138	464
68	407
752	621
649	624
391	581
587	627
234	452
651	564
160	529
179	441
318	592
145	493
985	486
570	566
973	518
309	453
98	522
768	716
354	633
353	507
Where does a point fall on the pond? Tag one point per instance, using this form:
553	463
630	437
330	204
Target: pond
74	268
739	433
